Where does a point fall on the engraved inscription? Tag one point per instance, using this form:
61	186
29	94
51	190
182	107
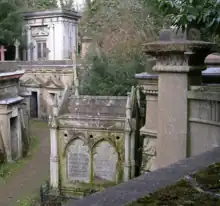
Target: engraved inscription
105	161
78	165
78	162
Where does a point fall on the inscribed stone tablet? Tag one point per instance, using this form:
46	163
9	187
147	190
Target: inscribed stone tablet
105	161
78	162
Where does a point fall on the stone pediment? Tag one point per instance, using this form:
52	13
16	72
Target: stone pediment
40	31
32	82
53	83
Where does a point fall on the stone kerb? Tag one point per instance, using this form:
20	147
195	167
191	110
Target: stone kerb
151	182
179	64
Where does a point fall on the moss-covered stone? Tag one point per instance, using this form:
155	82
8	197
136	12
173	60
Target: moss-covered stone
180	194
184	194
209	178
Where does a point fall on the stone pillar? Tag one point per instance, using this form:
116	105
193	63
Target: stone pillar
19	132
28	43
86	42
51	43
54	167
5	131
149	86
17	56
175	60
127	141
132	151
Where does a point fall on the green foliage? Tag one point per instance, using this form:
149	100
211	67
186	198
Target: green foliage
11	21
108	78
201	14
118	29
39	4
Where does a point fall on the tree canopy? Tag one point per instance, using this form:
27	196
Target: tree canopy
10	21
118	29
200	14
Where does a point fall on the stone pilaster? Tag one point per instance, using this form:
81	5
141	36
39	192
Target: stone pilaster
127	141
54	167
29	39
175	62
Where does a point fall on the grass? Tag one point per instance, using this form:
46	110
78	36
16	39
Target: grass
184	194
33	200
8	169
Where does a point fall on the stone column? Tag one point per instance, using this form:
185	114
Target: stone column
175	60
20	146
127	141
149	84
54	167
132	150
28	43
51	44
5	131
85	44
17	56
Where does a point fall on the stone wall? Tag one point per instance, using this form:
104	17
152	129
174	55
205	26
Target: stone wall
204	118
8	66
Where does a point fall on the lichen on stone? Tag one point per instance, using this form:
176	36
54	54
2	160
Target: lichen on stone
184	193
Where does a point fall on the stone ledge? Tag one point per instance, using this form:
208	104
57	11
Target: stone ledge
150	182
179	46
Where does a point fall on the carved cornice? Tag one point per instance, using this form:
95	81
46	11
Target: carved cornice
150	92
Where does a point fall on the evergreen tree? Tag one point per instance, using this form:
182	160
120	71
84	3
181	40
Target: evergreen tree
11	21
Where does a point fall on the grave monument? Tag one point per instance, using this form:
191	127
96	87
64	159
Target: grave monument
51	34
92	142
13	116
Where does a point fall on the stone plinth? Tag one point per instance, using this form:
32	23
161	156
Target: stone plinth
179	64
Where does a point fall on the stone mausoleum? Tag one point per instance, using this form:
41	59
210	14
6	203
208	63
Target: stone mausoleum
49	59
51	34
14	116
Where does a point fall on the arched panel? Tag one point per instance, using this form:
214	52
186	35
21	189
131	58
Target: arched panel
78	161
105	162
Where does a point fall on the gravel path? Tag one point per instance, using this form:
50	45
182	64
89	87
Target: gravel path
27	180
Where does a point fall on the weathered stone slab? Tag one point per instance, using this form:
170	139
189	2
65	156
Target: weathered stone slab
105	161
78	165
78	162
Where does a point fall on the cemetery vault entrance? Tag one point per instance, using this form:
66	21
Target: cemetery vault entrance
14	137
34	105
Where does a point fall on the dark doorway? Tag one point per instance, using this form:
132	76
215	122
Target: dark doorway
14	138
33	105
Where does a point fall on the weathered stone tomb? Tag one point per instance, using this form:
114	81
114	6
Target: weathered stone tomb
13	117
92	143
